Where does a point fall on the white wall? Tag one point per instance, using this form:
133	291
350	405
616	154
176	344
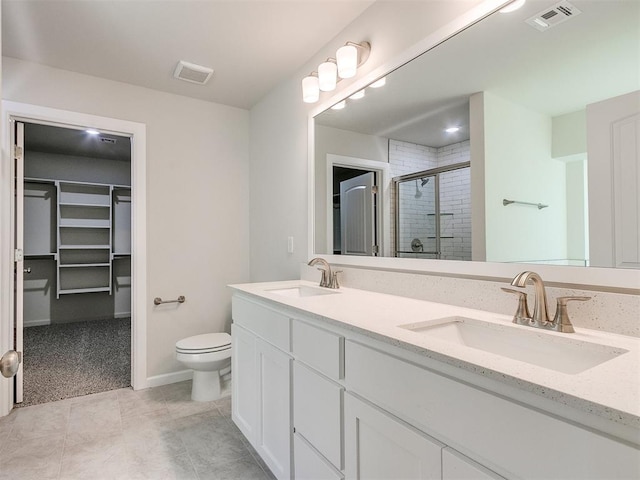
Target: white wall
197	194
518	166
279	143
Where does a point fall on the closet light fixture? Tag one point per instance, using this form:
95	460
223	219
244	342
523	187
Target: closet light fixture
311	88
345	65
513	6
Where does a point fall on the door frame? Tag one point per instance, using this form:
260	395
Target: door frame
384	195
12	111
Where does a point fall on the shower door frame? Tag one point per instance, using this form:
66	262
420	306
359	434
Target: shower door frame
432	172
14	111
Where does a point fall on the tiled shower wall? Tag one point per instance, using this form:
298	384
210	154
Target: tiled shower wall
455	199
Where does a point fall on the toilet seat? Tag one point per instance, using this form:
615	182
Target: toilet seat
206	343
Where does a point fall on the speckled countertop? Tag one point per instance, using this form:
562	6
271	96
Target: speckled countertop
610	390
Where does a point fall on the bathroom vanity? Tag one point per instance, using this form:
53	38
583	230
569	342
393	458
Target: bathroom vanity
348	383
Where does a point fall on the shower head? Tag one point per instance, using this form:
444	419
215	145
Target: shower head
424	181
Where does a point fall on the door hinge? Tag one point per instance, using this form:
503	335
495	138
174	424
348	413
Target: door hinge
374	189
17	152
376	249
18	255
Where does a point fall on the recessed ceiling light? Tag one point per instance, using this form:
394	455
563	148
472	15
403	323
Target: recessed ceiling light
379	83
452	129
339	105
91	131
513	6
357	95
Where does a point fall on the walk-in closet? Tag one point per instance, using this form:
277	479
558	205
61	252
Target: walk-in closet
77	263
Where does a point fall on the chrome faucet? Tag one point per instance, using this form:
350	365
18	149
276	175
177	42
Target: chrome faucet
540	318
329	279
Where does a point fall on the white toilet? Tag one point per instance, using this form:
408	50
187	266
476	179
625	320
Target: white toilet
206	355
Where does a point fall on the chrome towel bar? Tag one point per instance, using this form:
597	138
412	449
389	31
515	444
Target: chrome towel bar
159	301
540	206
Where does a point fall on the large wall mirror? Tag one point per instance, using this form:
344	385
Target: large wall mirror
515	140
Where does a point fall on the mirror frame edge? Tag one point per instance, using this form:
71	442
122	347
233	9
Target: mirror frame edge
626	280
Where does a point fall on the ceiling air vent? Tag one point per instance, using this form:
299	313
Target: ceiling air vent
552	16
190	72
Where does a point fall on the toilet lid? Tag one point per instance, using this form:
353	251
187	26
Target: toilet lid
207	342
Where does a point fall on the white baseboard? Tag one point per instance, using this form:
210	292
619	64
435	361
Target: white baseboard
167	378
36	323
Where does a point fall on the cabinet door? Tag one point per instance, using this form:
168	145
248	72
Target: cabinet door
309	465
244	406
382	447
456	466
273	441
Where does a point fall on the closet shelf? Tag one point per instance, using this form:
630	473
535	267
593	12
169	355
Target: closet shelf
84	265
84	290
85	247
83	205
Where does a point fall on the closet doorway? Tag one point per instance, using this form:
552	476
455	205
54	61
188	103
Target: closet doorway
77	262
77	238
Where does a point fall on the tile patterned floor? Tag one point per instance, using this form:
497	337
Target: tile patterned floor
158	433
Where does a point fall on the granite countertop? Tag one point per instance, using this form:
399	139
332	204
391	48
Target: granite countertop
610	390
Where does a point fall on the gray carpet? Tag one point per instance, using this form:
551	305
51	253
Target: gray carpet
75	359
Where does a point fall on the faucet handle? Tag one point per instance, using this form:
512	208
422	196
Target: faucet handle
334	279
324	282
522	315
561	322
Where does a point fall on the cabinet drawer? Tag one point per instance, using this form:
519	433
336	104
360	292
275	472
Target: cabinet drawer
319	348
317	406
449	410
272	326
309	465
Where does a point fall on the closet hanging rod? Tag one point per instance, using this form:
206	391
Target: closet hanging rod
159	301
540	206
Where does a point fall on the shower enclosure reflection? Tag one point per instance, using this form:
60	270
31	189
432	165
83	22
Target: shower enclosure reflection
433	213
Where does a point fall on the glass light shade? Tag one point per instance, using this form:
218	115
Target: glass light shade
357	95
310	89
347	59
327	76
379	83
339	105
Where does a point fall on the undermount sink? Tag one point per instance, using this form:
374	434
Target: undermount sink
562	354
302	291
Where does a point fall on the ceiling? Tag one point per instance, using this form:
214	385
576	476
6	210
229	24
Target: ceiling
76	142
252	45
593	56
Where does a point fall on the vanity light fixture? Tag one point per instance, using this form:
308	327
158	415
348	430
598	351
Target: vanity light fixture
513	6
91	131
339	105
328	75
379	83
452	129
348	58
311	88
357	95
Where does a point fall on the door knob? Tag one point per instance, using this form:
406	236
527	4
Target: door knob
9	363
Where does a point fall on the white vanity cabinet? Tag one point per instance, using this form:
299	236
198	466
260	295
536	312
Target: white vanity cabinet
261	401
319	401
379	446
